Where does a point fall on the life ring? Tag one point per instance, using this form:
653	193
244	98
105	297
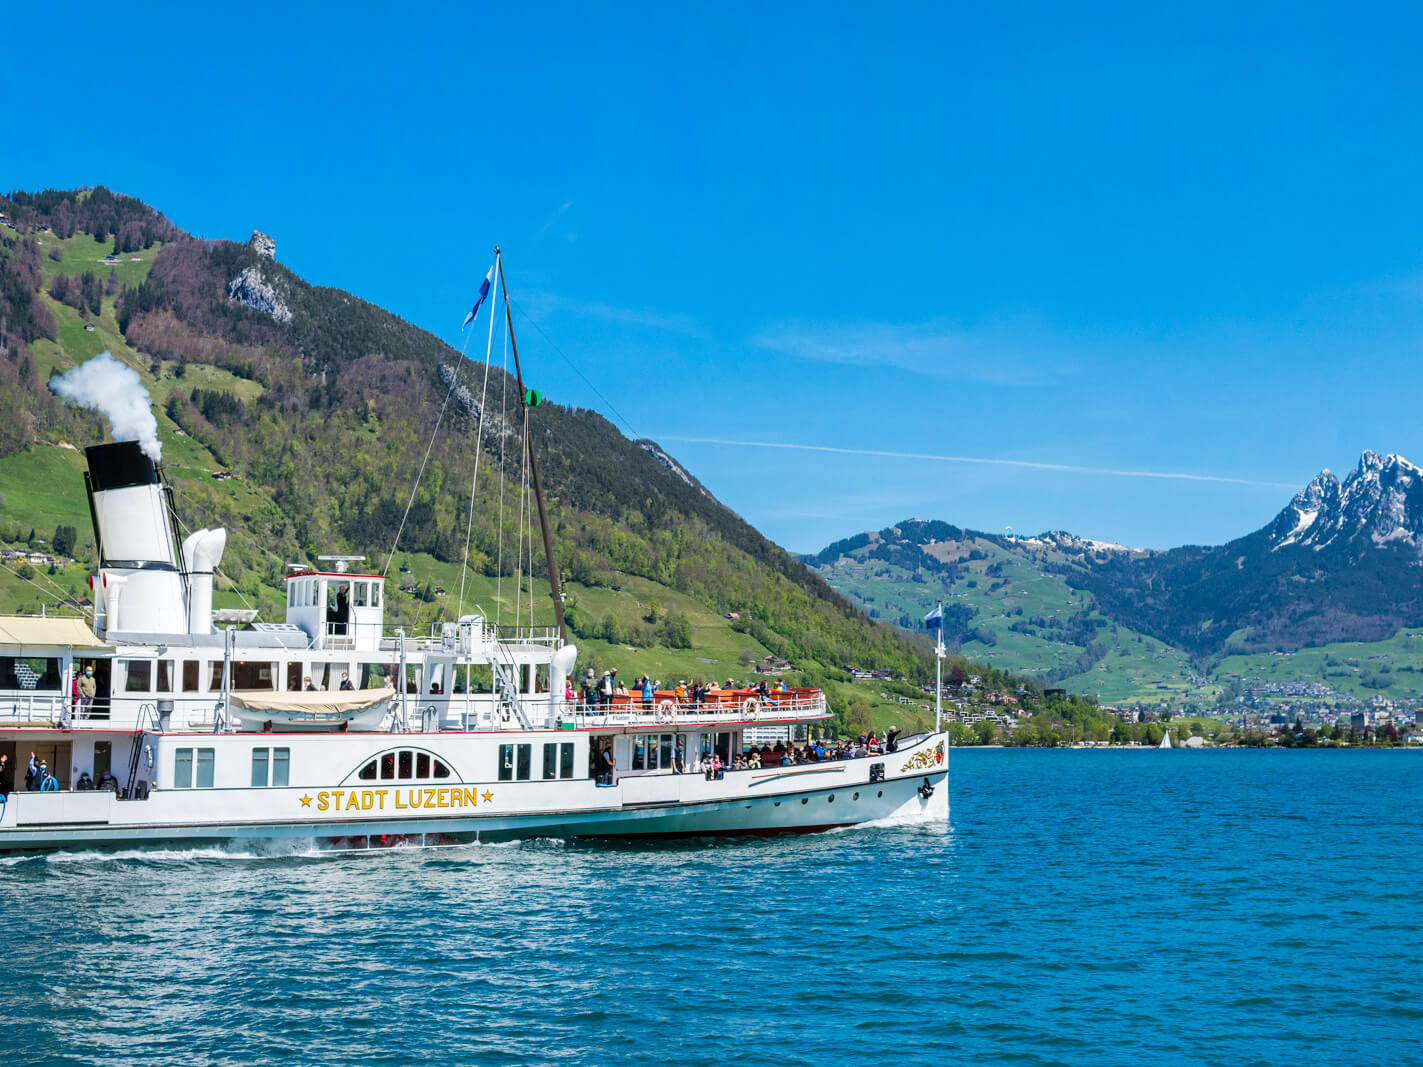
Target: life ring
666	709
751	707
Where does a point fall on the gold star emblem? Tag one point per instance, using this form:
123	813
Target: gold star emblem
488	797
306	802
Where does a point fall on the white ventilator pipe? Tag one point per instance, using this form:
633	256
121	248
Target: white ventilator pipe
113	590
560	666
202	551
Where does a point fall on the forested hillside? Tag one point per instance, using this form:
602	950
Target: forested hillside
320	406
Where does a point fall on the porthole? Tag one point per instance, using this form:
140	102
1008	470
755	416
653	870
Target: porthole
880	793
805	800
855	797
830	799
778	803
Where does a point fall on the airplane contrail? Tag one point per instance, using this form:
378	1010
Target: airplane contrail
1030	464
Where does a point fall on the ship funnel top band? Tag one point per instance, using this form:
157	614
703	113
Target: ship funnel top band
119	466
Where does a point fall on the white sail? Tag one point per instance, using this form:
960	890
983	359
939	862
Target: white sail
1165	740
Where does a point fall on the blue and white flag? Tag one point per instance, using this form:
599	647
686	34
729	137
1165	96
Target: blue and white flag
935	618
483	292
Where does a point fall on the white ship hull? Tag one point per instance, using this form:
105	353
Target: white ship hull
775	800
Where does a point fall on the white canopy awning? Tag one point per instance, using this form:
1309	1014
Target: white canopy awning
30	633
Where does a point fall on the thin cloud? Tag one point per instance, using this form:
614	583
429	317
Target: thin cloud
1066	468
556	216
1009	356
545	304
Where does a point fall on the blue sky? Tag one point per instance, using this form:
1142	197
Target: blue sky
1121	238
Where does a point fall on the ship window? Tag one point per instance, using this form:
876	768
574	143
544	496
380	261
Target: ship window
565	763
375	594
387	765
407	763
514	762
368	772
294	677
281	766
551	760
138	675
259	767
441	771
190	675
422	765
291	594
651	752
215	677
252	674
183	768
203	777
165	676
376	675
558	759
33	673
359	600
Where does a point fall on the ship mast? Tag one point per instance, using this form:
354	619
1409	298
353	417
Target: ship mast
555	591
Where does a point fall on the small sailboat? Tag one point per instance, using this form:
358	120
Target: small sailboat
1165	740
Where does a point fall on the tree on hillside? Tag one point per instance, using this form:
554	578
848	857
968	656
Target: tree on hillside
64	540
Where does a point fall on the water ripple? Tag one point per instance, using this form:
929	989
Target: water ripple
1083	908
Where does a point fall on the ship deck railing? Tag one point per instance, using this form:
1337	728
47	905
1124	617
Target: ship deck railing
797	705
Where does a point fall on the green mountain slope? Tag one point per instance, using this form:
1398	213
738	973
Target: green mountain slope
1258	617
1005	603
320	407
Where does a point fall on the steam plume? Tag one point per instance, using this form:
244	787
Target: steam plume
113	389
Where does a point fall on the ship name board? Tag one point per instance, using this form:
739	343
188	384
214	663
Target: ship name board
401	799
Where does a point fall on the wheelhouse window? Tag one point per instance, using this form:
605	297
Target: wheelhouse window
165	676
138	675
359	600
191	675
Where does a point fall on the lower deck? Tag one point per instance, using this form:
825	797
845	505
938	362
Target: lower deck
546	783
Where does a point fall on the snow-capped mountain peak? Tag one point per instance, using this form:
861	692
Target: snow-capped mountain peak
1380	502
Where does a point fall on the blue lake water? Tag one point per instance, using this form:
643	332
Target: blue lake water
1084	907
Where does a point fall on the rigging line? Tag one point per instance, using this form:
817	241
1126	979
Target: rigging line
478	449
454	381
607	403
47	578
45	592
503	419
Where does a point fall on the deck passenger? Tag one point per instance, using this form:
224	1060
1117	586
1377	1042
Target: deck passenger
648	692
346	685
610	765
309	686
88	688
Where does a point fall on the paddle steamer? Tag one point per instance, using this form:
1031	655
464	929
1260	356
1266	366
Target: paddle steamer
215	726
